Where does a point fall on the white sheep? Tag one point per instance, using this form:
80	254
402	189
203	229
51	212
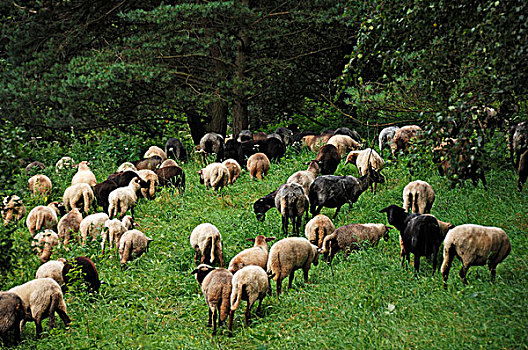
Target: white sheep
257	255
258	165
43	243
306	177
12	209
364	159
80	196
205	238
92	225
155	151
84	175
475	245
42	297
419	196
288	255
251	283
116	229
215	175
151	178
126	166
40	185
64	163
42	217
344	144
52	269
234	169
123	198
68	224
318	228
132	244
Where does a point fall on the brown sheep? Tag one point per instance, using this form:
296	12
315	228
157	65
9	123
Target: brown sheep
40	185
258	165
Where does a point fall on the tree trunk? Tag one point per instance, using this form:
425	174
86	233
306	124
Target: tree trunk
240	105
196	125
217	111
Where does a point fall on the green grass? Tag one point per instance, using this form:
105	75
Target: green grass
367	301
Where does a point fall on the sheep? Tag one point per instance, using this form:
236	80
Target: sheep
352	237
518	141
215	175
88	272
155	151
212	143
244	135
306	177
126	166
251	283
318	228
171	176
344	144
315	142
258	166
291	201
101	192
68	224
123	198
43	243
288	255
348	132
34	165
148	163
93	225
168	163
206	240
334	191
52	269
84	175
80	196
40	185
328	159
42	217
386	136
234	170
262	205
175	148
64	163
273	148
42	297
123	179
12	313
475	245
260	136
116	228
257	255
152	180
285	134
523	170
13	209
216	286
132	244
420	234
365	159
233	150
403	136
419	196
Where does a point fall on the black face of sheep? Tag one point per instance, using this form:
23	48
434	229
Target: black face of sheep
201	272
396	216
261	208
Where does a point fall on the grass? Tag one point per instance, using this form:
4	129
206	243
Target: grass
367	301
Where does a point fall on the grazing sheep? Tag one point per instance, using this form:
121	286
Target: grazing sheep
12	313
174	148
34	165
258	165
315	142
80	196
262	205
257	255
272	147
318	228
116	229
285	134
123	198
68	224
234	170
403	136
334	191
245	135
64	163
52	269
365	159
88	273
42	217
251	283
171	176
206	240
344	144
126	166
152	180
151	163
291	201
216	286
92	225
215	175
132	244
348	132
288	255
353	237
168	163
40	185
519	141
102	191
475	245
155	151
84	175
43	243
306	177
12	209
212	143
328	159
419	196
234	150
42	297
523	170
386	136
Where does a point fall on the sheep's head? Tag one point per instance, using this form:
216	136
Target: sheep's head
351	157
201	272
260	207
375	176
261	240
395	214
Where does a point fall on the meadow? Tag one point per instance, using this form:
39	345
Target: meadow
365	301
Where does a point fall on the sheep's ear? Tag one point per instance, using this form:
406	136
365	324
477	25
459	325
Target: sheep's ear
269	239
384	210
195	271
250	239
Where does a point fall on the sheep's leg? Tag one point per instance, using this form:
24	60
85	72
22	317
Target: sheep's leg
290	279
215	312
259	309
247	314
305	274
210	321
462	274
297	230
219	254
446	265
38	326
416	264
435	260
279	285
493	271
230	326
285	225
61	310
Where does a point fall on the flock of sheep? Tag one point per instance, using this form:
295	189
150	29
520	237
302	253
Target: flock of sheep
249	273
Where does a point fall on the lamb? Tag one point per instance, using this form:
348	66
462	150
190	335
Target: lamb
126	166
52	269
234	170
257	255
403	136
523	170
93	225
258	166
168	163
148	163
475	245
206	240
212	143
42	217
43	243
80	196
68	224
116	229
13	209
175	148
364	159
318	228
84	175
419	196
251	283
291	201
123	198
328	159
216	286
152	180
288	255
155	151
334	191
42	297
215	175
40	185
64	163
348	132
89	274
352	237
306	177
132	244
386	136
12	313
262	205
344	144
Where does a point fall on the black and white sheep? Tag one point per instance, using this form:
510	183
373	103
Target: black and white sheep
291	201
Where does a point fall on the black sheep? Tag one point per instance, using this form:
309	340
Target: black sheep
11	314
88	272
272	147
523	170
101	192
175	149
233	150
262	205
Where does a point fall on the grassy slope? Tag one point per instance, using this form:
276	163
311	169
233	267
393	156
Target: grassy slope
156	303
